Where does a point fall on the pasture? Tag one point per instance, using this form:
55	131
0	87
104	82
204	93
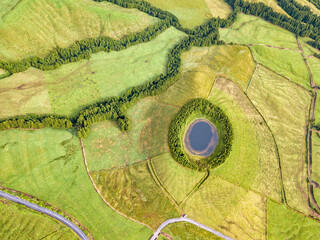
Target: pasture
108	147
76	85
34	28
254	30
48	164
284	62
284	223
178	180
188	231
133	191
285	107
192	13
229	209
18	222
253	162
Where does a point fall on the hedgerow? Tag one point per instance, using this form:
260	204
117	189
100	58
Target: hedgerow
200	106
113	108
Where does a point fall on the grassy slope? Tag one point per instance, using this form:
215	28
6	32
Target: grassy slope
19	222
6	6
200	66
69	88
35	27
133	191
107	147
253	30
284	223
49	164
317	110
188	231
314	64
228	208
76	85
287	63
177	179
24	93
313	8
253	161
285	106
192	13
315	174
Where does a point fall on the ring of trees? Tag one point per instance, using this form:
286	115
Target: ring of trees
203	108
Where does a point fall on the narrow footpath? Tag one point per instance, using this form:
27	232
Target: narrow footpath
48	212
185	219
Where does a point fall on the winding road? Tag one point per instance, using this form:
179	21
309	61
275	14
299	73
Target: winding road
48	212
185	219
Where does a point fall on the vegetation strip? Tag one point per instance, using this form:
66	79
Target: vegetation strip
113	107
48	212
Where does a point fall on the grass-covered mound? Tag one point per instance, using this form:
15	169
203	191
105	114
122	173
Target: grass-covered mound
200	108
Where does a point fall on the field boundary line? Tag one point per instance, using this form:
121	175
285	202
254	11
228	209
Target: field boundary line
196	187
283	193
279	74
270	46
311	199
254	71
160	184
96	189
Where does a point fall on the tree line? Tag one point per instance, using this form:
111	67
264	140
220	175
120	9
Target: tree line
114	108
218	117
316	3
295	26
33	121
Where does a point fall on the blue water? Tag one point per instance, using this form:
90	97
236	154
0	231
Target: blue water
201	138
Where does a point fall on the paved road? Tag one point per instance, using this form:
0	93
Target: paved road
185	219
65	221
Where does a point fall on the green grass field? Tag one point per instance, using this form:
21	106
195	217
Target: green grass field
252	163
315	158
133	191
23	93
188	231
253	30
177	179
283	223
107	147
314	64
317	110
285	107
228	208
287	63
192	13
73	86
33	27
200	66
48	164
18	222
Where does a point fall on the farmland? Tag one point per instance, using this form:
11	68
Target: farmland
194	13
17	222
47	24
121	80
51	168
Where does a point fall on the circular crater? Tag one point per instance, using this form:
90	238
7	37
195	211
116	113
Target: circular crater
200	135
201	138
